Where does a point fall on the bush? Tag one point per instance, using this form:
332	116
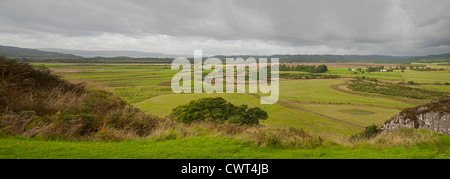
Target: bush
219	110
370	132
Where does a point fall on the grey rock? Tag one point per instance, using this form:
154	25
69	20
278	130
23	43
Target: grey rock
434	121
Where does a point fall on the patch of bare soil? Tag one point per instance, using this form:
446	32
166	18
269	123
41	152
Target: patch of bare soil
166	83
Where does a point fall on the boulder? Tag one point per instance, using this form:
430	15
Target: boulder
434	116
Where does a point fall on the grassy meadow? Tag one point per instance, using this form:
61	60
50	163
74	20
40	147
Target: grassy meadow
322	107
210	147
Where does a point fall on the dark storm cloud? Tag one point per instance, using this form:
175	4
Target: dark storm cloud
408	27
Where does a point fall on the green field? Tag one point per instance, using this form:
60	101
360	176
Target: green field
316	106
320	91
203	148
423	77
302	102
279	116
444	88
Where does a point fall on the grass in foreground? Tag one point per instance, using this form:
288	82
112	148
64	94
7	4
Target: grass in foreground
208	147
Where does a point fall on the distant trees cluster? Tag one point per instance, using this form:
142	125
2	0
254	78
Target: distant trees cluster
219	110
425	68
377	68
97	60
304	68
308	76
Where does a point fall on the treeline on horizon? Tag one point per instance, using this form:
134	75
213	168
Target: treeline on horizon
442	58
304	68
97	60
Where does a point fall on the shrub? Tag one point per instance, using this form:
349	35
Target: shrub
218	109
370	132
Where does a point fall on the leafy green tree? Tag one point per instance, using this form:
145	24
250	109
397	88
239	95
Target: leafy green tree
219	110
322	68
304	68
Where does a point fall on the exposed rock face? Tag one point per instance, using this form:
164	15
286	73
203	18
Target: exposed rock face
434	116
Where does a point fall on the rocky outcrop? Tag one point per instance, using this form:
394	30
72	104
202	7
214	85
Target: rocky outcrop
434	116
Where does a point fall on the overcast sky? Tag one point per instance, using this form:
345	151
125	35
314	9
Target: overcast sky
239	27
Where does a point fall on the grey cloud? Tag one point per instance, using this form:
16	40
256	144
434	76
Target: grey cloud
398	27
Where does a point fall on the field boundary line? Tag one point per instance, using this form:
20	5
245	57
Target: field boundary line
285	104
395	99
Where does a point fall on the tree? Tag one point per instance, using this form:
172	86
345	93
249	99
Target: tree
219	110
304	68
322	68
248	116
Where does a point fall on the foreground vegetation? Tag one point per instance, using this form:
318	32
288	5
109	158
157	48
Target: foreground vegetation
45	116
205	147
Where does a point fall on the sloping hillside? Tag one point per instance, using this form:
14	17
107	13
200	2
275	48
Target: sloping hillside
16	52
36	103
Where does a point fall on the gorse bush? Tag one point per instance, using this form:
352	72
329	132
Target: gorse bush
218	109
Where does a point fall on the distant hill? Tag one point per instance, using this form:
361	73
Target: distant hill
132	54
332	58
440	58
85	56
16	52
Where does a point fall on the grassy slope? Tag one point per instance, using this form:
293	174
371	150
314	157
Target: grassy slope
318	90
201	148
338	111
279	116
